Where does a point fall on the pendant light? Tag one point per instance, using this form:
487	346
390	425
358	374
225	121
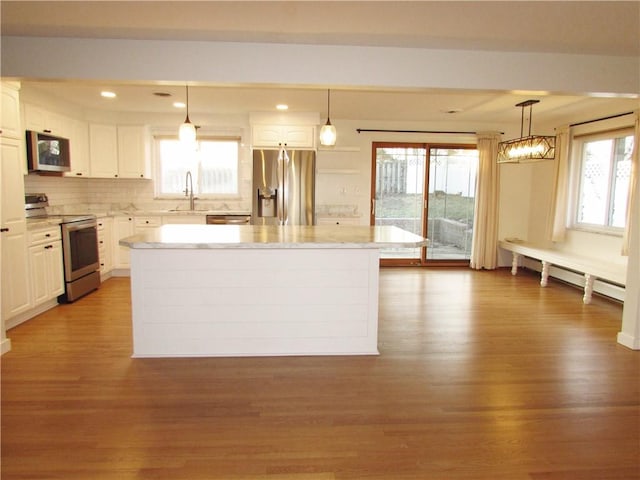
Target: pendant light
530	148
187	132
328	131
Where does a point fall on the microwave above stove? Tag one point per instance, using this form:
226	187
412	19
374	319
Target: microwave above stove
47	153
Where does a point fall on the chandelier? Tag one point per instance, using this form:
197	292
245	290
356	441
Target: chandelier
530	148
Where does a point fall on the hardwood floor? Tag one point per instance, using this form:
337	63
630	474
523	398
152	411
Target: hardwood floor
481	375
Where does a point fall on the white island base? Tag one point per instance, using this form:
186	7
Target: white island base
250	290
254	302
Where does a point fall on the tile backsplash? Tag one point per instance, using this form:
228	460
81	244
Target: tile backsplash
85	195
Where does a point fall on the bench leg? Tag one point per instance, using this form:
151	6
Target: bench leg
514	263
545	274
588	288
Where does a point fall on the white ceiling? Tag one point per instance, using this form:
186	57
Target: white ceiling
605	28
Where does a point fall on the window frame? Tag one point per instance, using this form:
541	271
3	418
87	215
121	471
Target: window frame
158	195
577	151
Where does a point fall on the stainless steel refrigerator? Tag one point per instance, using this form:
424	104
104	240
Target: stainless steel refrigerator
283	187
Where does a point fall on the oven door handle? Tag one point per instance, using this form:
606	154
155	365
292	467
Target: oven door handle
73	226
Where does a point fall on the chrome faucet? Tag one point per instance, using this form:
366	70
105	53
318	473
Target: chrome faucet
188	191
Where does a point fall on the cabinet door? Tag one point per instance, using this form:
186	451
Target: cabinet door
280	135
42	120
105	231
103	151
38	271
133	158
55	270
299	137
184	219
79	144
47	275
15	273
266	135
10	112
122	227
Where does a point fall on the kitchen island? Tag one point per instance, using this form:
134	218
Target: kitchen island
242	290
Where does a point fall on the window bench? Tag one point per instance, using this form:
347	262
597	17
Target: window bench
591	268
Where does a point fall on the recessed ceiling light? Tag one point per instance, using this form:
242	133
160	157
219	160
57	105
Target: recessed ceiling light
107	94
282	106
179	104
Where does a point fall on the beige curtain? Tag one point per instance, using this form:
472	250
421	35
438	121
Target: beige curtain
484	246
632	222
559	202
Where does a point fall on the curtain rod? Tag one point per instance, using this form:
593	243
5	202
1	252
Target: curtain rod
360	130
600	119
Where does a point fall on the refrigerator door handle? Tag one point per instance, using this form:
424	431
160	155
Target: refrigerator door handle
285	186
281	172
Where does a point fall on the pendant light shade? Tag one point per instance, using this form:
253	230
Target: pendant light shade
187	131
328	131
530	148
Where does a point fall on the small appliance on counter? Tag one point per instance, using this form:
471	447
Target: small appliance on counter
79	247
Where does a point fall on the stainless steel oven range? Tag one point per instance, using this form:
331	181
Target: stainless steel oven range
79	248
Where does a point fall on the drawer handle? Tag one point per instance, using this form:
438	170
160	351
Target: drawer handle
4	229
47	247
47	235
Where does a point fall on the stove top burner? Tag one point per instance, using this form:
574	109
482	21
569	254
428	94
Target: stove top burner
35	207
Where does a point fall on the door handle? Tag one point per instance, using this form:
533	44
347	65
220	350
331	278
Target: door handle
373	206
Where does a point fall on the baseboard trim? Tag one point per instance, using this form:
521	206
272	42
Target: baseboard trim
24	316
628	341
5	346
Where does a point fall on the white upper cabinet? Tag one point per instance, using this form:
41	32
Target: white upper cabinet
293	136
79	144
11	111
119	151
133	151
42	120
103	150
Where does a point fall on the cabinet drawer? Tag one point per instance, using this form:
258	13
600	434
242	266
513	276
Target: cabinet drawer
337	221
44	235
147	222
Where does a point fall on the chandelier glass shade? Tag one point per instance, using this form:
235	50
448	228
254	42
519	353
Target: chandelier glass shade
328	132
530	148
187	131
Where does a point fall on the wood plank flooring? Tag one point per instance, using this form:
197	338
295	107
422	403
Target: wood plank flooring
481	375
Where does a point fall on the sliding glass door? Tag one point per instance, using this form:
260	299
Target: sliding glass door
428	190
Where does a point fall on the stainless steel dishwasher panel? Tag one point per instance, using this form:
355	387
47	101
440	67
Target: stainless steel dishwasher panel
228	219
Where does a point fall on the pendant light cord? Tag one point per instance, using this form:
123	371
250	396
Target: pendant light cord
187	87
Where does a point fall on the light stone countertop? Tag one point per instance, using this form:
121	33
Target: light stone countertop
268	236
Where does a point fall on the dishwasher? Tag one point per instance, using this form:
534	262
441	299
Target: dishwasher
228	219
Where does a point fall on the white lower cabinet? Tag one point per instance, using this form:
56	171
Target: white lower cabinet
105	231
337	221
184	219
45	265
125	227
122	227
